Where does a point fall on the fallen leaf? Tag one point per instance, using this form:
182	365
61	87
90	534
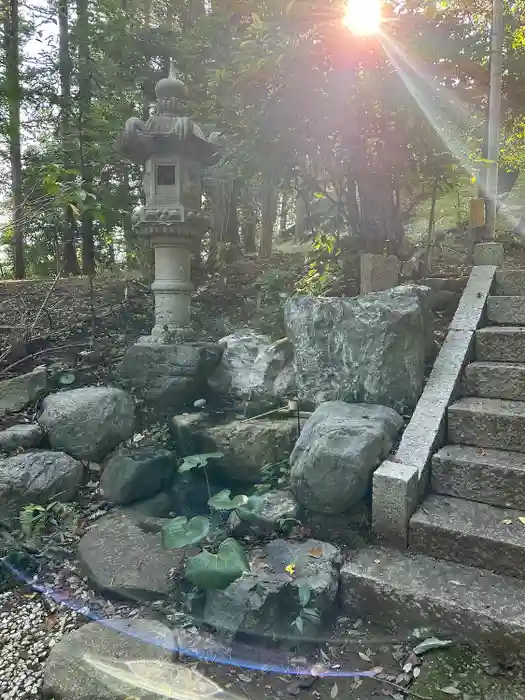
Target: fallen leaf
334	692
376	670
244	678
451	690
364	657
316	552
416	672
432	643
318	670
507	521
356	683
521	519
324	656
407	667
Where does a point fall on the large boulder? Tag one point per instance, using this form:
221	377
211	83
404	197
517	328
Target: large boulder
22	435
169	375
254	370
90	663
368	349
247	446
339	448
88	423
18	392
137	473
37	477
121	559
268	600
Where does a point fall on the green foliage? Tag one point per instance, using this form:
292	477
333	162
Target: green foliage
207	569
181	532
35	520
198	461
217	571
274	475
223	501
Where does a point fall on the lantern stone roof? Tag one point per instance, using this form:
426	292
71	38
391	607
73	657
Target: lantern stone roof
167	131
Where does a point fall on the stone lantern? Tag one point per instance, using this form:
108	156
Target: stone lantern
172	150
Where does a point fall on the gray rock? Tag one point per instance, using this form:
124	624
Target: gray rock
18	392
123	560
23	435
169	375
367	349
339	447
37	477
246	445
89	422
255	370
265	602
75	667
233	376
273	508
158	506
137	473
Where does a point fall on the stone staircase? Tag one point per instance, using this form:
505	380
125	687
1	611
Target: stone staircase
465	564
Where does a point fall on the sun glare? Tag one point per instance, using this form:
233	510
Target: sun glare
363	17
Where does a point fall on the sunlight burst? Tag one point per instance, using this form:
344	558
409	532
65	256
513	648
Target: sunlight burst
363	17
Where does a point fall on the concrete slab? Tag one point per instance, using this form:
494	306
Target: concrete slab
500	344
506	311
470	533
490	253
509	283
494	423
426	430
495	380
469	314
487	476
408	591
394	499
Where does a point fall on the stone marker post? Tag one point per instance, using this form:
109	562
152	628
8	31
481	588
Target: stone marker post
172	150
379	272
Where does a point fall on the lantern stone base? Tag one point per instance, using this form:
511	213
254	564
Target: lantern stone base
168	377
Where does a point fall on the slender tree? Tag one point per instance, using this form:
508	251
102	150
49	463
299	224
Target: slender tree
14	98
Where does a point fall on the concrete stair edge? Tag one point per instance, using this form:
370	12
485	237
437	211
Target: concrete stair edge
487	422
469	532
460	602
489	476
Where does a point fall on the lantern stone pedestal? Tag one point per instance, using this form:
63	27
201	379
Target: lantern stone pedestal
168	368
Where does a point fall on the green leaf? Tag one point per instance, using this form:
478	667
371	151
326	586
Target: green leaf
181	532
304	593
198	461
299	623
217	571
222	501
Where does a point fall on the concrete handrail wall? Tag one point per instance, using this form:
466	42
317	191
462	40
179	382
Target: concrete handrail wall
400	483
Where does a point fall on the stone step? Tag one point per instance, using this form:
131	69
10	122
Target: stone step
497	380
487	476
506	310
470	533
407	591
500	344
509	283
494	423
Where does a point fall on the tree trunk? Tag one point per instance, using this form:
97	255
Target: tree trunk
283	217
268	214
249	230
84	134
14	98
127	224
69	256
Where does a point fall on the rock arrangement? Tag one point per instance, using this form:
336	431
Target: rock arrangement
355	363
